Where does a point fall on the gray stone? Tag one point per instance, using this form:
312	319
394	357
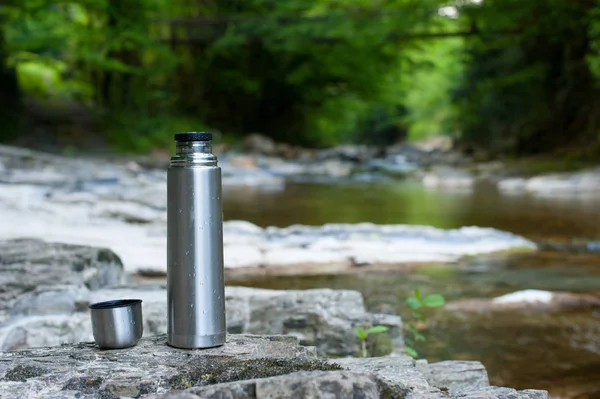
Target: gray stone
458	376
323	318
38	331
581	183
504	393
490	393
37	268
334	384
533	394
448	178
394	370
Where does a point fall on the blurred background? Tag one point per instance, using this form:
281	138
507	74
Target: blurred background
429	112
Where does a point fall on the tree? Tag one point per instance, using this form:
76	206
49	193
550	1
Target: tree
527	87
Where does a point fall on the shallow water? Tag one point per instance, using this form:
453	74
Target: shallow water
411	203
558	352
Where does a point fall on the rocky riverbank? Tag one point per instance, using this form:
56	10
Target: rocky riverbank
123	207
47	348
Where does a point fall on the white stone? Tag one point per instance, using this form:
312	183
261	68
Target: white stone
525	296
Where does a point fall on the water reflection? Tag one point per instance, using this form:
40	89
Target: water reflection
411	203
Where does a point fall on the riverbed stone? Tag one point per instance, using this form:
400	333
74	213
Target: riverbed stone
449	178
585	182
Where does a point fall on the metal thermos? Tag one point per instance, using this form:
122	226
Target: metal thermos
195	276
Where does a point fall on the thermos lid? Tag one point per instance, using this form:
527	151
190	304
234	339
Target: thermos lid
193	136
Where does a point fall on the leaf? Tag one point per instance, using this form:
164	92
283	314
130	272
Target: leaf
418	294
434	300
410	351
377	329
408	341
362	334
419	316
418	336
414	303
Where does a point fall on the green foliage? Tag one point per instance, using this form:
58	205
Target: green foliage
417	302
527	87
521	78
140	132
364	333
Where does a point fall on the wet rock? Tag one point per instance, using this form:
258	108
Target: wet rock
449	178
572	183
331	168
528	302
394	165
512	185
458	376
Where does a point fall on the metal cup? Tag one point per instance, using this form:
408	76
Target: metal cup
117	324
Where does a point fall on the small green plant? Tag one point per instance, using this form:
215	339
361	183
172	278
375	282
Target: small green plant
416	303
363	335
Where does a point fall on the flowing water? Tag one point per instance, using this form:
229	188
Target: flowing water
559	352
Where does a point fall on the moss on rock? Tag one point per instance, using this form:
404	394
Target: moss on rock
23	372
216	370
379	345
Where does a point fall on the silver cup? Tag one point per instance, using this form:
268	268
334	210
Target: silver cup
117	324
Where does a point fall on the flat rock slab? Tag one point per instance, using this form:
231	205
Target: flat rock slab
149	367
246	367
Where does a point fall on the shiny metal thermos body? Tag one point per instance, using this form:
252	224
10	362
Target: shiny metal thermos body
195	275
